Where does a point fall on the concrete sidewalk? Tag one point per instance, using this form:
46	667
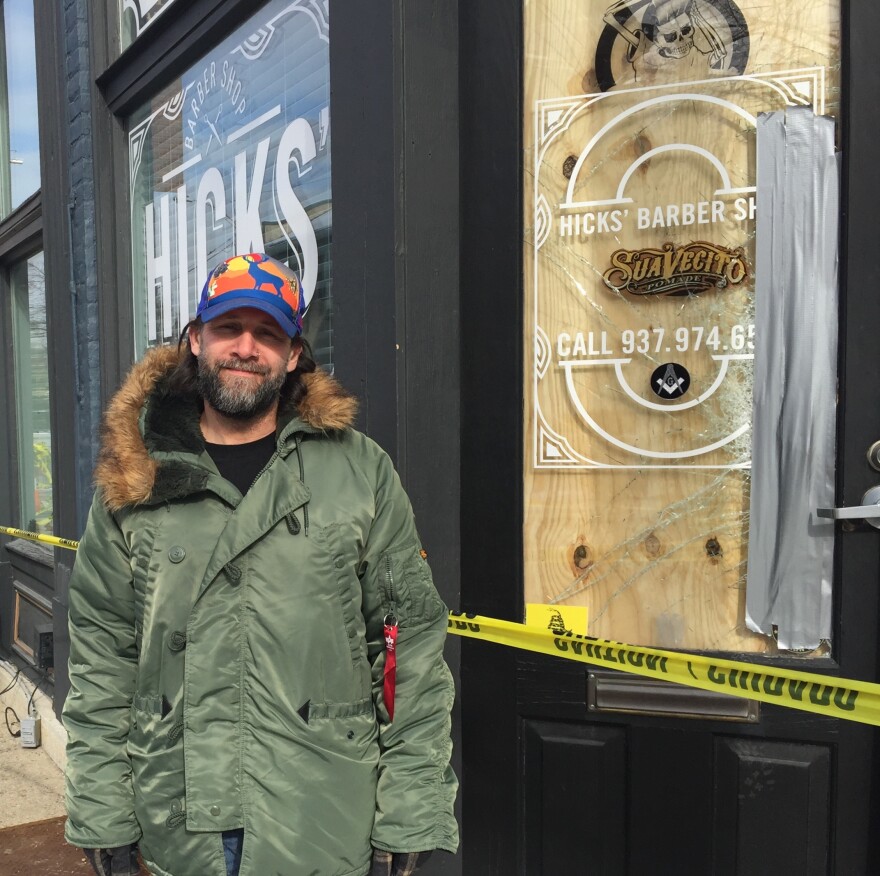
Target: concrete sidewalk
32	790
32	779
32	783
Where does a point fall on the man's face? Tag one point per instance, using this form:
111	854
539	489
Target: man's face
244	357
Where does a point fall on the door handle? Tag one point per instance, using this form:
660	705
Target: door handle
869	510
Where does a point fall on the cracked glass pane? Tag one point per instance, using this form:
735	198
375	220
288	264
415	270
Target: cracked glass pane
641	199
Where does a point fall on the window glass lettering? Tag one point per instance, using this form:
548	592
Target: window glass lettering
235	157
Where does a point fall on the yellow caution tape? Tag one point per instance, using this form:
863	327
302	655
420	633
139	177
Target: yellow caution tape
808	691
35	536
822	694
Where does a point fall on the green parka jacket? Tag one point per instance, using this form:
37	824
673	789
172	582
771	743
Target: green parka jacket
227	653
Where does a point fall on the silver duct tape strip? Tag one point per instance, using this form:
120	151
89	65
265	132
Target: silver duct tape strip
795	382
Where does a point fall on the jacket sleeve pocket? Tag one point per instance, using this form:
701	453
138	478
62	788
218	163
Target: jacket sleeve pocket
408	590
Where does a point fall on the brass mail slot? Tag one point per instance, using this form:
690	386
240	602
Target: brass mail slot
614	692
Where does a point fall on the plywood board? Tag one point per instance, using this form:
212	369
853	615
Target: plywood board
640	209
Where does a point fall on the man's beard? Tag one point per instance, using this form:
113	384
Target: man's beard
239	397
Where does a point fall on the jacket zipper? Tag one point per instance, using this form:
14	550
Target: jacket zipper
391	617
266	466
294	524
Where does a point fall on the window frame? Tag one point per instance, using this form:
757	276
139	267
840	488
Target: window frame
21	236
40	223
6	185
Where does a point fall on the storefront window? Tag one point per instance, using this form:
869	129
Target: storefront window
235	157
31	358
135	16
644	122
19	147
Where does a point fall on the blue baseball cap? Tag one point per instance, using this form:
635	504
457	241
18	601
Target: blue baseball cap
254	280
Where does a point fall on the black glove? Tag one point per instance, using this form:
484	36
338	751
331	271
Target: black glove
121	861
397	863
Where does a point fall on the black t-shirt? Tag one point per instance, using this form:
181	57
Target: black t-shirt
241	463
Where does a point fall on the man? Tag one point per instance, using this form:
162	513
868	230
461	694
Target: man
248	577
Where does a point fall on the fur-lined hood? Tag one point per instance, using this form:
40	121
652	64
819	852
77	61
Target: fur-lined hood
144	422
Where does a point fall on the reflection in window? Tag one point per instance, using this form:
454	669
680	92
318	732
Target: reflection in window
31	357
135	16
19	142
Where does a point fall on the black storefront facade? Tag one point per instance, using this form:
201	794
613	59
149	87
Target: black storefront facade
384	151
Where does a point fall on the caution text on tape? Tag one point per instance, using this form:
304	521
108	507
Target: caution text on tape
811	692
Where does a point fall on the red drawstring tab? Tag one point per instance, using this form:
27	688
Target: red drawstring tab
390	663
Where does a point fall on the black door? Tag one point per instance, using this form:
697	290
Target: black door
550	785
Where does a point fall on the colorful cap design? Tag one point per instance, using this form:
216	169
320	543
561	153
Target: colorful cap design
254	280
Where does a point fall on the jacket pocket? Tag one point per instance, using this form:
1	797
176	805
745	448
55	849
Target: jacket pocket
333	711
349	730
346	593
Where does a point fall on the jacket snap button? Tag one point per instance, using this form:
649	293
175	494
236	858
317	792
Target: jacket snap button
350	734
215	810
176	554
340	563
177	642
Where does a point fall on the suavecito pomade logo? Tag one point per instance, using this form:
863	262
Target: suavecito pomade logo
676	270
